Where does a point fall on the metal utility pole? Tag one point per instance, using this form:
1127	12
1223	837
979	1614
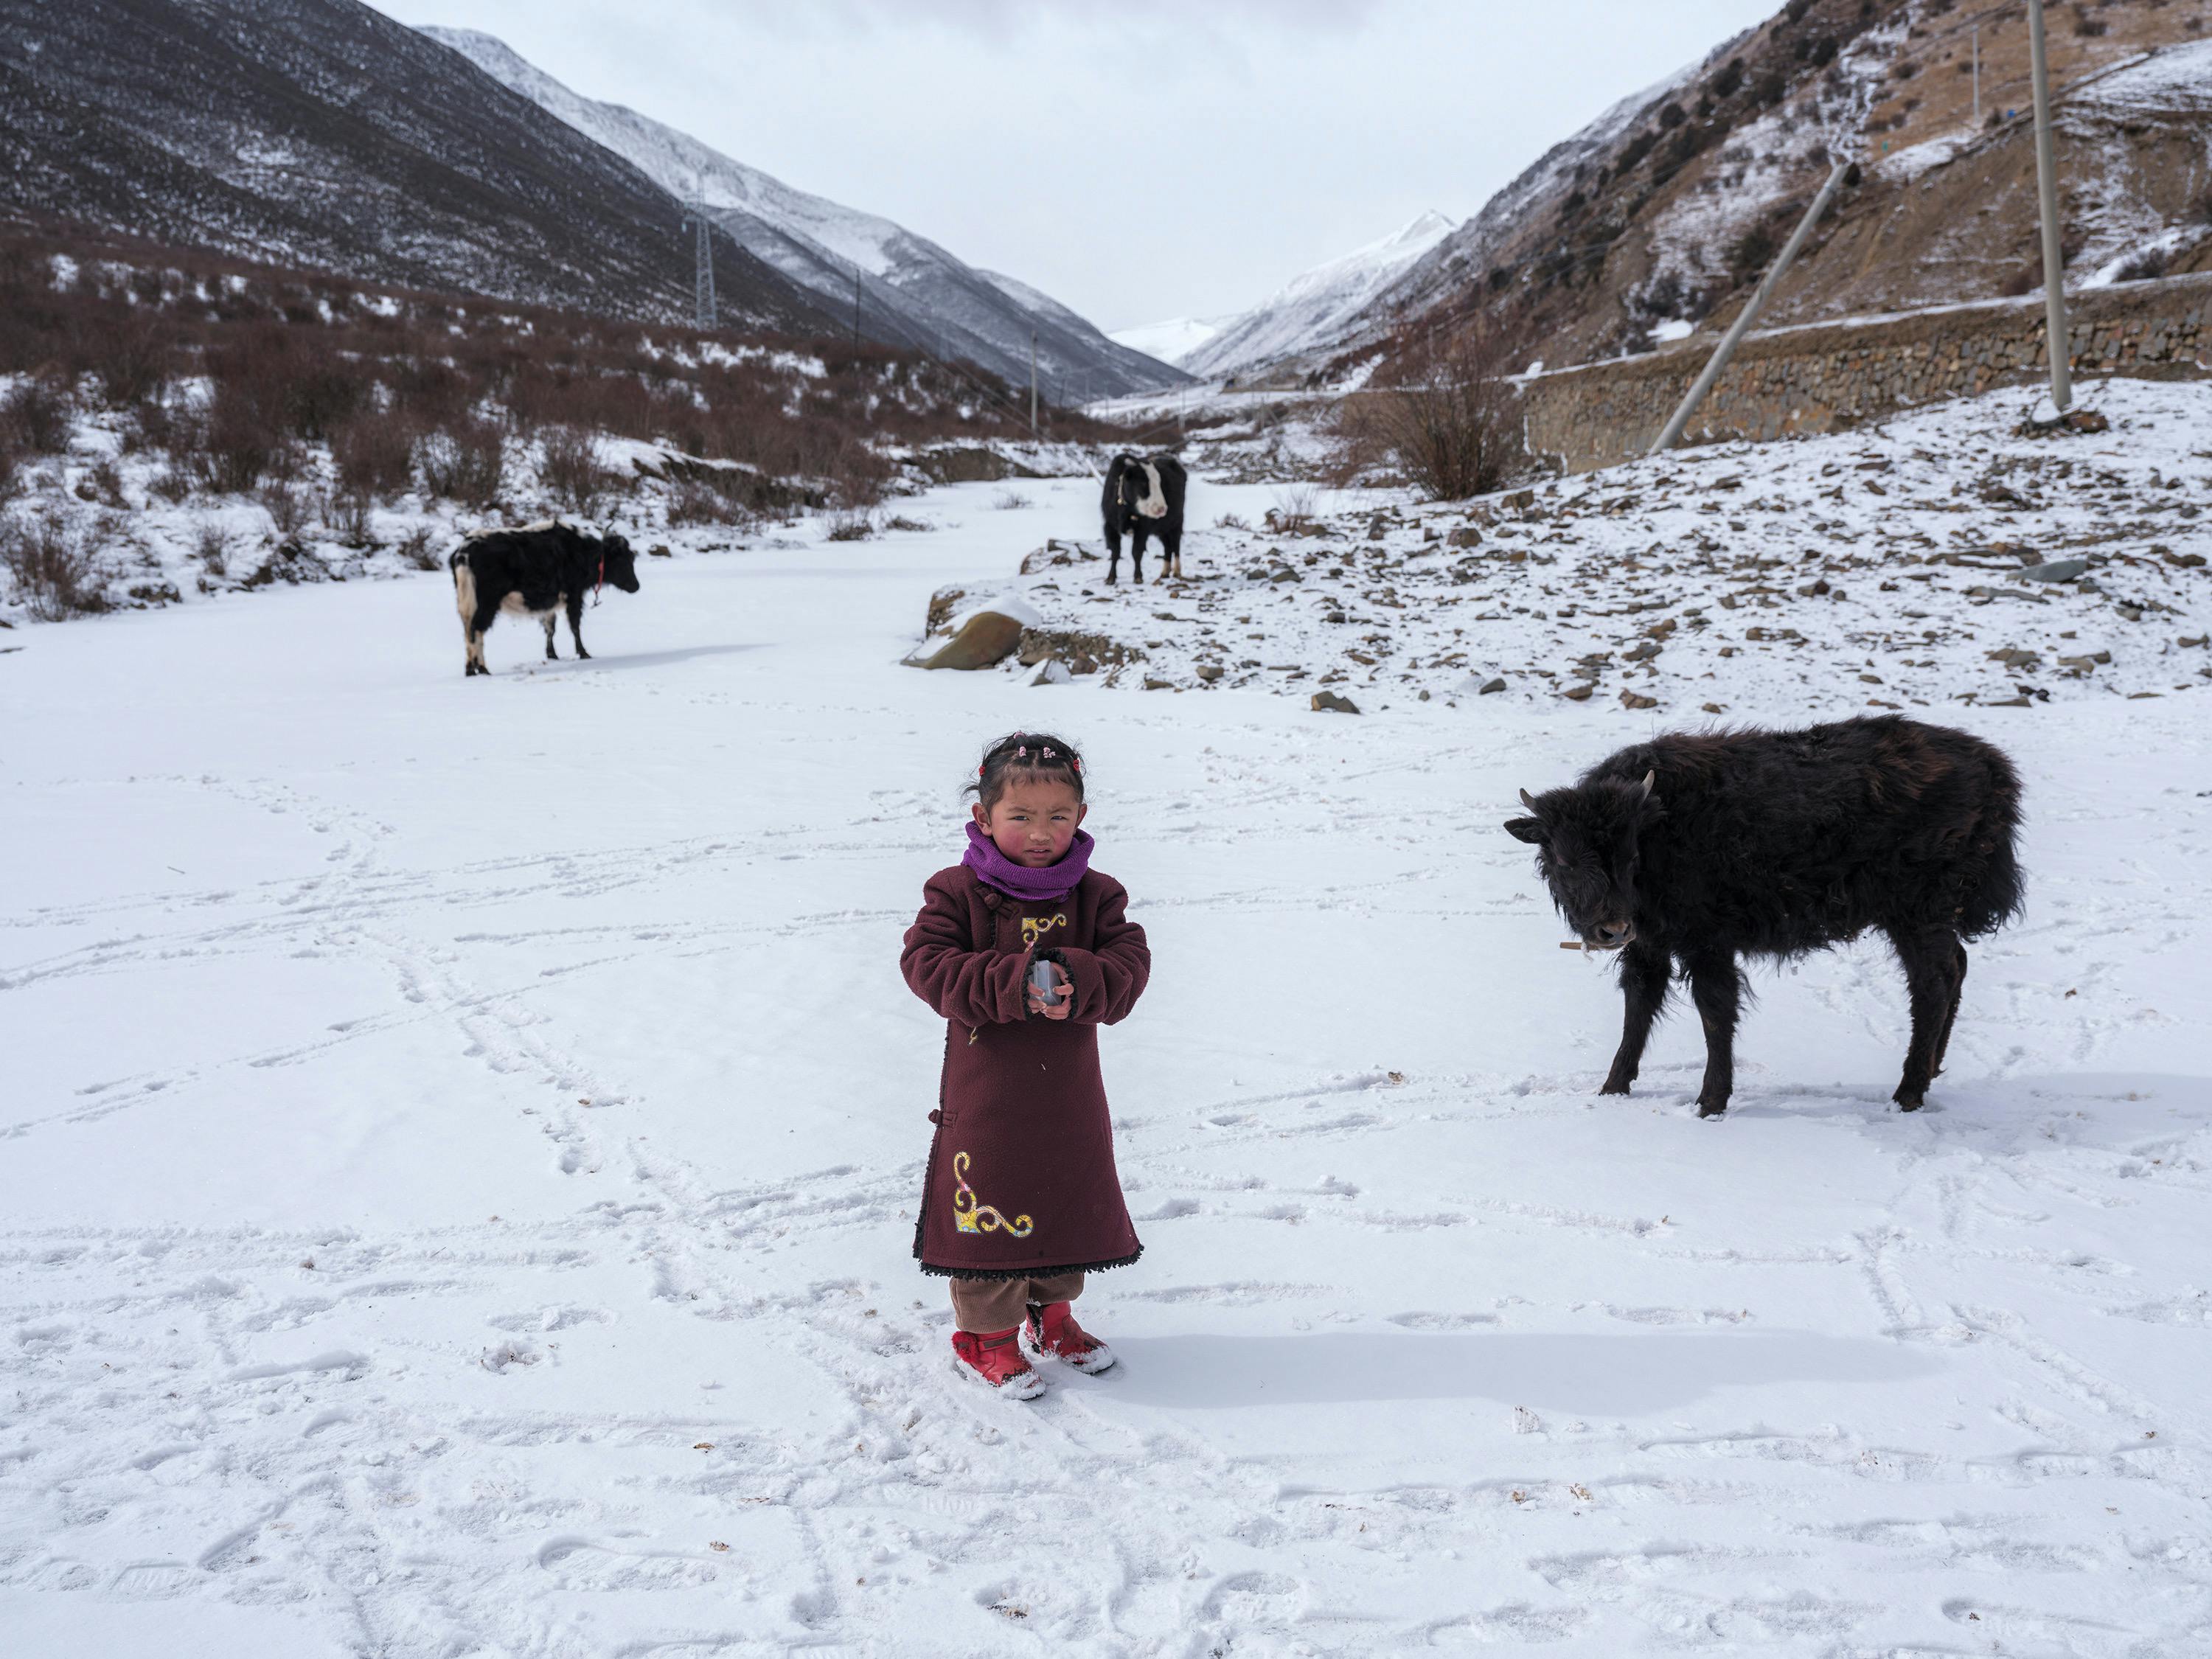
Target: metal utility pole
702	261
1741	326
2046	183
1033	401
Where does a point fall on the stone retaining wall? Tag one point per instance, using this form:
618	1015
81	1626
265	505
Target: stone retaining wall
1826	376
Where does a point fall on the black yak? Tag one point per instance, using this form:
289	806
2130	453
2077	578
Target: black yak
538	570
1699	849
1144	497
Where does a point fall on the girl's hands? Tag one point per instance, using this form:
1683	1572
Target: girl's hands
1061	984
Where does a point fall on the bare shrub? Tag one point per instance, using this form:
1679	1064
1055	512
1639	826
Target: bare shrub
287	507
172	483
900	522
1231	521
465	462
238	442
374	454
571	468
53	571
212	544
851	525
38	413
1449	420
1010	501
1294	507
130	360
345	515
416	549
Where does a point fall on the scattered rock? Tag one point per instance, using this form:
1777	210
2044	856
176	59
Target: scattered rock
1465	536
1637	700
1489	686
2073	423
1578	693
1209	671
1155	685
1327	702
2059	570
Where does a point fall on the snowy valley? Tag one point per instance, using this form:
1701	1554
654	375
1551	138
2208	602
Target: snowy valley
487	1230
460	1171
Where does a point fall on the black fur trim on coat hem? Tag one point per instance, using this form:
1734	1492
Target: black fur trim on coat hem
993	1274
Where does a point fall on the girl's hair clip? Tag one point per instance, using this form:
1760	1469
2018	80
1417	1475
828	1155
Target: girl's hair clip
1076	761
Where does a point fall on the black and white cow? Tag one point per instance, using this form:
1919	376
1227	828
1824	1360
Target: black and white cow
1144	497
538	570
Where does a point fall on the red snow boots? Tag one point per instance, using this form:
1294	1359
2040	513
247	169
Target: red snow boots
1051	1331
996	1358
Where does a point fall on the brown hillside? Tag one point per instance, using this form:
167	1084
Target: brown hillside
1665	217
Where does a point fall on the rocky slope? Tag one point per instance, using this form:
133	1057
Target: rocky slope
912	292
318	133
1889	568
1660	216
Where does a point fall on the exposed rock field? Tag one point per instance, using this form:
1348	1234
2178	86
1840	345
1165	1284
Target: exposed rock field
1885	568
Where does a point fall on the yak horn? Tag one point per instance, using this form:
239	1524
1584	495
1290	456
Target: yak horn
1650	778
1528	800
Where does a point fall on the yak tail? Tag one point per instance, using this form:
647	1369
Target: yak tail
1999	891
465	587
1998	896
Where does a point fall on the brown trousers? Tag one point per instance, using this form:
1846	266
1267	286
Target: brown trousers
985	1306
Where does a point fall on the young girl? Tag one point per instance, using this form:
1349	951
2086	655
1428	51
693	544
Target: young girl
1021	1199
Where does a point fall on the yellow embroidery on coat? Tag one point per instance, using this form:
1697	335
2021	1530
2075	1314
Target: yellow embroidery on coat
970	1216
1035	927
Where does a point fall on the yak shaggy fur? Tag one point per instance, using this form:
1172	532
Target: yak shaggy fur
1698	849
1144	497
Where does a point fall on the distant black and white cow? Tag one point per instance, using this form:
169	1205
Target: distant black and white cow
538	570
1144	497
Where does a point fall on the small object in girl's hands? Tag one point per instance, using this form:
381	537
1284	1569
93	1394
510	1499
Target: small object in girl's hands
1044	982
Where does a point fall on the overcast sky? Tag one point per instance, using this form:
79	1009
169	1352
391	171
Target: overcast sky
1140	159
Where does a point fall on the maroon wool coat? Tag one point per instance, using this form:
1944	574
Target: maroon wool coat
1021	1180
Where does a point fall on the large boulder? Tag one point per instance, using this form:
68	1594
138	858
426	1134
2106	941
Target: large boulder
976	635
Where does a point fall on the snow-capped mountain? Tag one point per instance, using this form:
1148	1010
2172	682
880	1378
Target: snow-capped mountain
912	291
1312	308
1173	340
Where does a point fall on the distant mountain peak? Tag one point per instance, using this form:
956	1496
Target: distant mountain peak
913	292
1311	309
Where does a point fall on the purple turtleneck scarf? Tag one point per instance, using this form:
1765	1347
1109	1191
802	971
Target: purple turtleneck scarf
1055	881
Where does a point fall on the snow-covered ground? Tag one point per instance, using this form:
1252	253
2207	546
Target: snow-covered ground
1882	567
462	1138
